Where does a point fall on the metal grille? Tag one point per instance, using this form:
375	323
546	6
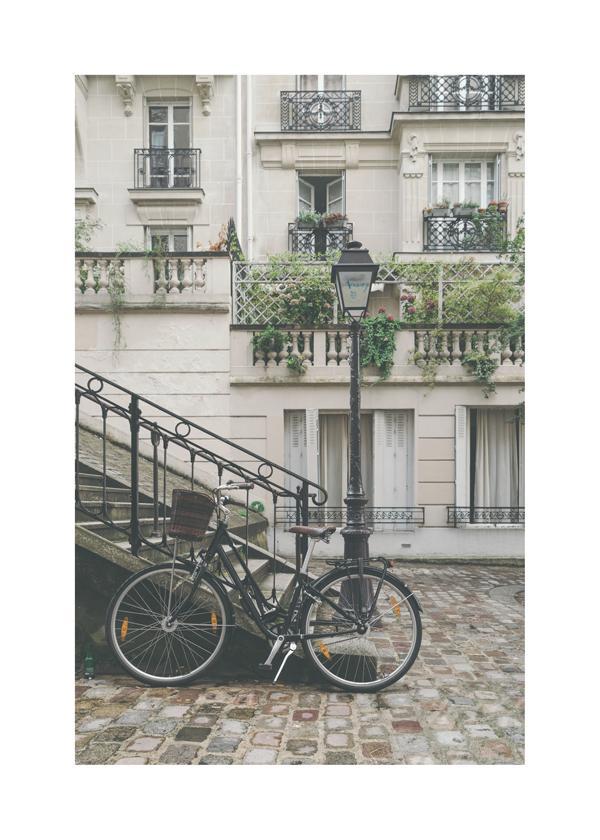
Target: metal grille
318	240
336	110
486	515
480	232
466	93
166	169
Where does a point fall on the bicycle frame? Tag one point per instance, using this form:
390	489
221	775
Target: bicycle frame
256	605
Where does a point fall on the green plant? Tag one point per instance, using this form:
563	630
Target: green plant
444	203
483	367
296	365
84	230
309	217
378	342
269	340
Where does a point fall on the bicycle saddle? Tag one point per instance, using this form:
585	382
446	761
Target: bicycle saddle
315	533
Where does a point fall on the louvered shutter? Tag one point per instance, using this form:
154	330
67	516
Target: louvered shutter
390	459
306	196
312	444
295	446
461	457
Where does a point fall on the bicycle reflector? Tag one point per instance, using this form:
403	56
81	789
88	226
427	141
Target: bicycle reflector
395	605
124	628
324	650
213	621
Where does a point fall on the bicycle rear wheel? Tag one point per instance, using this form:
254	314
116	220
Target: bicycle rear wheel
143	642
354	660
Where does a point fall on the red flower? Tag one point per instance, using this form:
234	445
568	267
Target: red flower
390	317
381	309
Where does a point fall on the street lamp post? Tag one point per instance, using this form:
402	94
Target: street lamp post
353	276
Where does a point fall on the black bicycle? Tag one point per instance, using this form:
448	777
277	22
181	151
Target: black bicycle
359	624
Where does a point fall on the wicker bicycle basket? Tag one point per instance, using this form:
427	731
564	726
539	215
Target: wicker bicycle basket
190	514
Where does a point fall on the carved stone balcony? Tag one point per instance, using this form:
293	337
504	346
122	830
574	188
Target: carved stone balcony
320	110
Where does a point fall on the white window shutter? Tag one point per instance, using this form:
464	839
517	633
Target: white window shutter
312	444
335	196
390	458
461	456
295	446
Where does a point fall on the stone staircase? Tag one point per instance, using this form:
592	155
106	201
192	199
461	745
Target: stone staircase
104	558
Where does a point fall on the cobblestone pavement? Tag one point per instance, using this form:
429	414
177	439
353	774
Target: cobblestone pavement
461	703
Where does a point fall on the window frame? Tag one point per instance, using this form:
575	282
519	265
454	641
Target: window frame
302	175
483	160
320	83
171	232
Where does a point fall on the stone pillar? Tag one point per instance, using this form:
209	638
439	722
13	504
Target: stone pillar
413	190
515	180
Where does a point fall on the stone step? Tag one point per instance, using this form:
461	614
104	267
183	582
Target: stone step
116	511
94	479
93	492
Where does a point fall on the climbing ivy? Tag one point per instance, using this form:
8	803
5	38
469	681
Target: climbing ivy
378	342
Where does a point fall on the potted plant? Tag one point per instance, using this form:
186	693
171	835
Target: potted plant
308	219
427	212
441	208
465	208
502	206
334	219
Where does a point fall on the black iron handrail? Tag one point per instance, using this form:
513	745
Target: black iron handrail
161	168
375	515
466	93
479	232
320	110
285	487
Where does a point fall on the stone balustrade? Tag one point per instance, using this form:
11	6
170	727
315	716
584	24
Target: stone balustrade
139	278
450	346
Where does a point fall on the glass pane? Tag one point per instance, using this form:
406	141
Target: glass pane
158	136
450	191
180	242
158	113
472	171
451	172
308	82
490	191
333	82
473	192
491	171
160	242
181	114
181	136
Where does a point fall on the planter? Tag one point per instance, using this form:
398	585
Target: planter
441	211
502	206
306	225
462	212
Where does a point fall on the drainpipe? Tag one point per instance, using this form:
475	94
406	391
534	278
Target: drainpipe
238	157
249	216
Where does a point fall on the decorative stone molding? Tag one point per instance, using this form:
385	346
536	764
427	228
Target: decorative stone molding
126	90
412	174
352	155
516	174
288	155
206	91
413	147
519	145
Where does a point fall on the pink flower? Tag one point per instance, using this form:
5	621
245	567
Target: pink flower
411	310
390	317
381	309
403	297
411	298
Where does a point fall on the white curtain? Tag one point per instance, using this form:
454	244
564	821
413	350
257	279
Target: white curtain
333	451
497	459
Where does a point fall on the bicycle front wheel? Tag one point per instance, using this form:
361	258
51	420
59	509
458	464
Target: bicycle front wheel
375	657
158	652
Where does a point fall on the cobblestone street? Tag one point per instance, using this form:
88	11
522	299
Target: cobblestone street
461	703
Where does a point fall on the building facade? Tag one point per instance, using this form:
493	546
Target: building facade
427	172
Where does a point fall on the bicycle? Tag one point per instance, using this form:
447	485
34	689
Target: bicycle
359	625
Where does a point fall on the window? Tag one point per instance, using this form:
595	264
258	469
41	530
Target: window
321	193
320	83
174	240
464	181
490	462
316	445
169	128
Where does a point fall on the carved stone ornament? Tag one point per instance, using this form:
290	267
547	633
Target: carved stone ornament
206	91
412	174
519	145
126	90
413	147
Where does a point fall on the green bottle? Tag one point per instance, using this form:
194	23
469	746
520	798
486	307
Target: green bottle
89	663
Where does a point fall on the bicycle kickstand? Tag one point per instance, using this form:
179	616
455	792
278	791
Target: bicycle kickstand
289	652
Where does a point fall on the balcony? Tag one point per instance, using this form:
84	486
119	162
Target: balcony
483	231
316	240
460	516
377	518
332	110
166	169
466	93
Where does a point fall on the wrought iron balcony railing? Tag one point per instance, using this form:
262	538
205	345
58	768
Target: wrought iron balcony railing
375	517
319	239
466	93
165	169
480	232
486	516
320	110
